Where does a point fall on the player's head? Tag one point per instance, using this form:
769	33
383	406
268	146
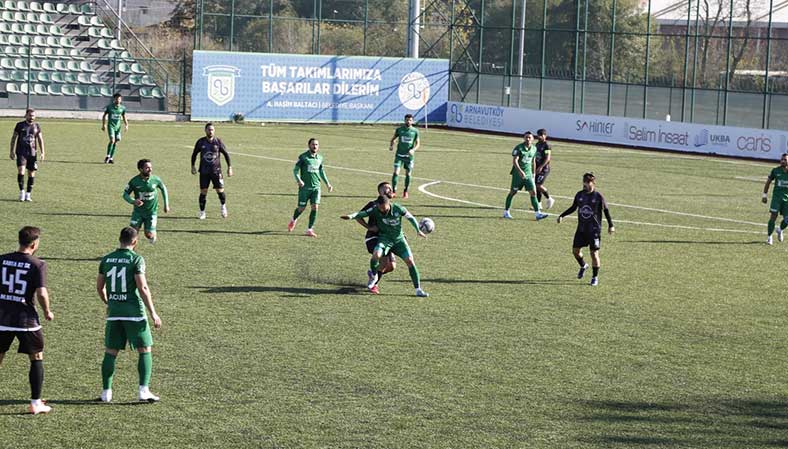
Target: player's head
117	98
30	115
314	145
784	160
29	238
384	189
541	134
209	130
408	119
128	237
589	181
145	167
383	202
528	137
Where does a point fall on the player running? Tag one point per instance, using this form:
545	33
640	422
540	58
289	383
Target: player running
409	142
779	203
388	218
308	172
389	263
122	286
523	167
116	111
25	281
210	148
543	158
590	204
146	199
26	143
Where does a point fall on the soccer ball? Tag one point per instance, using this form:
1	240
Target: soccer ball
426	225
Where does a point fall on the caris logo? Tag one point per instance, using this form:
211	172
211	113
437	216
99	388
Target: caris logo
595	127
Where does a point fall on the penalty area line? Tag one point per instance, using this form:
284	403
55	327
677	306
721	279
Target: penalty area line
423	189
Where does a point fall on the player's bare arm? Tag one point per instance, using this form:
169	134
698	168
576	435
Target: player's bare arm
766	190
101	283
125	122
40	141
147	299
13	144
393	139
104	121
42	295
517	167
416	145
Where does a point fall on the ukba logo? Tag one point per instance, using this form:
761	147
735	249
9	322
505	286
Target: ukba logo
221	83
414	91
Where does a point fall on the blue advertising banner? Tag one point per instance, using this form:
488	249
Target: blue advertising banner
315	88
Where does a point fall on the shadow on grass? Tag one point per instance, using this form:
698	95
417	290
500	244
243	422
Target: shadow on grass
708	423
697	242
220	232
290	291
497	281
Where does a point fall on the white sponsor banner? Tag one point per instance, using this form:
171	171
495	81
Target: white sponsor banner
676	136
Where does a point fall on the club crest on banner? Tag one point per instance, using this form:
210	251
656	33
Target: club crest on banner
221	83
414	91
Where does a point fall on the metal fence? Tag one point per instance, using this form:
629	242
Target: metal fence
711	61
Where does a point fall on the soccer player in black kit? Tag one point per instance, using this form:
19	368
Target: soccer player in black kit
210	148
24	279
27	146
589	205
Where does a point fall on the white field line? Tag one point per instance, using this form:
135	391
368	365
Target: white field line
423	189
761	179
462	184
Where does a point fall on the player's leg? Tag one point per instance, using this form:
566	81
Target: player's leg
32	344
408	170
374	263
149	223
784	222
541	190
201	202
114	341
773	212
530	186
110	145
395	175
402	249
515	187
218	186
20	176
595	266
141	339
314	198
32	169
6	338
303	199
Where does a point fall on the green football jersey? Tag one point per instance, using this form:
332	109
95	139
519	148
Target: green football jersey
123	298
308	168
145	189
390	224
780	178
525	156
115	115
407	139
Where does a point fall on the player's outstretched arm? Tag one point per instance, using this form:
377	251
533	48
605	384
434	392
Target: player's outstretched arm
569	211
101	283
42	295
13	145
40	141
147	298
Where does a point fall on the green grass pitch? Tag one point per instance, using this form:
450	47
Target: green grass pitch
270	339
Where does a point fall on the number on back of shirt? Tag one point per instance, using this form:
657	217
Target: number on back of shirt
117	274
13	280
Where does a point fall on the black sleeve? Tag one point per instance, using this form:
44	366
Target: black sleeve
571	209
42	275
223	150
195	152
606	211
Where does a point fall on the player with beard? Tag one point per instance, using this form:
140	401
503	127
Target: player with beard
27	144
387	264
146	199
779	204
590	204
210	148
543	158
308	171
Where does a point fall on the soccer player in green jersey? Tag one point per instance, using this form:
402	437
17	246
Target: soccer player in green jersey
388	217
308	172
115	111
409	142
122	286
779	203
523	168
146	199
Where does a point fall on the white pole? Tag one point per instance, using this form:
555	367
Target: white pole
521	51
120	11
413	29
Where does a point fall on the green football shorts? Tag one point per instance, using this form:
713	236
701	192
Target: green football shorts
143	220
519	183
136	333
114	133
305	195
403	161
399	247
779	205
